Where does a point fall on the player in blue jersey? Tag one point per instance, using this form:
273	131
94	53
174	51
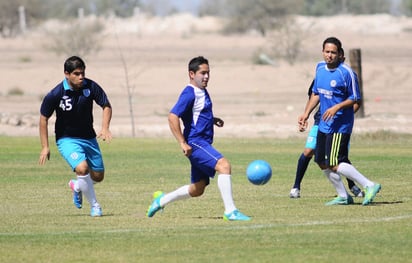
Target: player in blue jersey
309	151
72	100
336	90
194	108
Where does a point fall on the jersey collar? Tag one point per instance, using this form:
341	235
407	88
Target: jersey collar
66	85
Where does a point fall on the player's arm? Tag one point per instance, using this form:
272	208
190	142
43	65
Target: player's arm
174	124
105	132
356	106
310	105
44	140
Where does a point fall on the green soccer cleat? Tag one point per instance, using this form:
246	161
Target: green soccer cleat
155	206
236	215
340	201
370	193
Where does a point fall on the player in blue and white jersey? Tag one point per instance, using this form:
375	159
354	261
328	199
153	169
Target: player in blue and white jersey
336	90
72	100
194	108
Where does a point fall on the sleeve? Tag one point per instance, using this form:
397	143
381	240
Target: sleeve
100	96
184	103
310	88
48	105
353	86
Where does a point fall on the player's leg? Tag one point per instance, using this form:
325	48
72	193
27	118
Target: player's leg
303	161
324	152
224	182
93	170
345	168
200	173
74	155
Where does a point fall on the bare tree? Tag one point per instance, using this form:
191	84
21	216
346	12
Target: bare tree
70	39
260	15
286	41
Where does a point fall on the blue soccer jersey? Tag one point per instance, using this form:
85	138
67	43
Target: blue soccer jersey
74	109
333	87
194	107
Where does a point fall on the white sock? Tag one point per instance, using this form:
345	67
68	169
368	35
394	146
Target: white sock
225	186
350	172
85	184
76	186
336	181
178	194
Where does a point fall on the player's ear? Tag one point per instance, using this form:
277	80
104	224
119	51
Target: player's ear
191	74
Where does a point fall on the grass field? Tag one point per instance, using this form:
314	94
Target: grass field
38	222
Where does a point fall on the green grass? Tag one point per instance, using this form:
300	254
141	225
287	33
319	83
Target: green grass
38	222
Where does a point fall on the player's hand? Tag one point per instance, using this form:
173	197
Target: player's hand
329	113
105	135
303	126
187	150
44	155
302	122
218	122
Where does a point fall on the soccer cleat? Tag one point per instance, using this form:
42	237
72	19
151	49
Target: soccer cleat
370	193
77	196
155	206
96	211
357	192
341	201
294	193
236	215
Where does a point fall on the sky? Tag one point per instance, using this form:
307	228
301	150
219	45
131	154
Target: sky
163	6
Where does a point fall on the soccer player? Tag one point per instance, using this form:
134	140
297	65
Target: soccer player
309	151
72	100
194	108
336	90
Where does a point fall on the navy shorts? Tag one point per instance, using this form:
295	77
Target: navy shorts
203	160
332	148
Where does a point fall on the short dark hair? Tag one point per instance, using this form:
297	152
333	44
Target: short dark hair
333	40
72	63
196	62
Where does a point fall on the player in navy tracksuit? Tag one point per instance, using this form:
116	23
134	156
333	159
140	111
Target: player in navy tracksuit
194	108
72	100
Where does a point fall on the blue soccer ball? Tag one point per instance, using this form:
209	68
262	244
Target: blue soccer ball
259	172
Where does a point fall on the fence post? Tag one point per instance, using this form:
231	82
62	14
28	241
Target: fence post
22	20
356	64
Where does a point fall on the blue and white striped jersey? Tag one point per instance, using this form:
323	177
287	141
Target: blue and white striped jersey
194	107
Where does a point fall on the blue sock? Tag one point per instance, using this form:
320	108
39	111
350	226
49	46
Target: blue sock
303	163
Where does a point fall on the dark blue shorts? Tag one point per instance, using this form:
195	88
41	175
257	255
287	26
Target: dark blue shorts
203	160
332	148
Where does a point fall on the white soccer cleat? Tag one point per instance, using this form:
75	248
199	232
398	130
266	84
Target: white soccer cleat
294	193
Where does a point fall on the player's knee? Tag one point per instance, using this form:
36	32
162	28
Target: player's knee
197	189
97	176
82	169
223	166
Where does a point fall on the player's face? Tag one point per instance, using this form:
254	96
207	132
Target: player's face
75	78
331	55
200	78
